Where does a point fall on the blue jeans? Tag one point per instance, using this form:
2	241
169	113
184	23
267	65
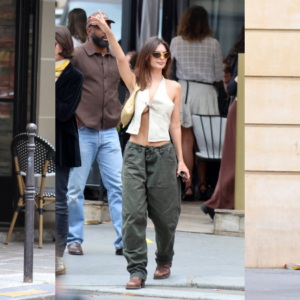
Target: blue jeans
104	145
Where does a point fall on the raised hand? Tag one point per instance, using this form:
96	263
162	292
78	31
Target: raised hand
101	22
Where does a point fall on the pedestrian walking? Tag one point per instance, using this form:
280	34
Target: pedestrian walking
68	88
151	168
98	115
198	59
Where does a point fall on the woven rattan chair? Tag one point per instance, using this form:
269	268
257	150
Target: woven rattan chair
209	133
44	166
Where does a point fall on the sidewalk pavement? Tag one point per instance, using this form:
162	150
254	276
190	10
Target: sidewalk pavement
204	267
192	219
11	272
272	284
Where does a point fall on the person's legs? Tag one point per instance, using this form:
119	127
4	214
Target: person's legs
134	211
188	153
202	178
61	209
88	141
61	217
109	158
164	199
201	169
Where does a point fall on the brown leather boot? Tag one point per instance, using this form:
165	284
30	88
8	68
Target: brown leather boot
135	283
162	272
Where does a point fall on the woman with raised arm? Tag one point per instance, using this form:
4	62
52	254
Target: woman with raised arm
150	168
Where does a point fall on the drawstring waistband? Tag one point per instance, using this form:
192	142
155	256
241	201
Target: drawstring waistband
149	148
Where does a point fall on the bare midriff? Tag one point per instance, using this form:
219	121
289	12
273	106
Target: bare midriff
142	137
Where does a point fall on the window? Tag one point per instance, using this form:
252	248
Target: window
226	18
112	8
7	72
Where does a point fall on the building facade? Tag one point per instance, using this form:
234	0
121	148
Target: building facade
272	133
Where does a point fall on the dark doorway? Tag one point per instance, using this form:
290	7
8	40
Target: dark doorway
18	77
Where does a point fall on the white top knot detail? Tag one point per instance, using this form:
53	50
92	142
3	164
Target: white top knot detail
160	112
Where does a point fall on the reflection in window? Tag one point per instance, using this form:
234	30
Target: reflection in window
113	11
226	18
6	135
7	48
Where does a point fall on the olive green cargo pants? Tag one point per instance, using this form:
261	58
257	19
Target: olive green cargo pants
149	184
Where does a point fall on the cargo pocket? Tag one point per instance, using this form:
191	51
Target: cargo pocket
172	154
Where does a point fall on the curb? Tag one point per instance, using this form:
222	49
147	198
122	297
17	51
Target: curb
165	293
47	297
19	235
224	283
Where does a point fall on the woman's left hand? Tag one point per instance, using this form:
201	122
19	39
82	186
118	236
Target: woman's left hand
182	168
101	22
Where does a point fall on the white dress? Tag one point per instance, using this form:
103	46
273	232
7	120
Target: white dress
201	62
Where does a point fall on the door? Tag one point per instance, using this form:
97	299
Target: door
18	73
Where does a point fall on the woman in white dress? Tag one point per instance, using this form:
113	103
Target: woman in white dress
77	26
198	59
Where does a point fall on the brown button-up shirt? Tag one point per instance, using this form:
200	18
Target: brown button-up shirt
99	107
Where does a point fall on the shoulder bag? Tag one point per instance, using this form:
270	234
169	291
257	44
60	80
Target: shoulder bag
128	109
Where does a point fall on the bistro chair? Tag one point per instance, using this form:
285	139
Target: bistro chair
44	166
209	132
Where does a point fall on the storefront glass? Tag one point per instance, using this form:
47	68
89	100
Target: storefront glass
18	89
7	69
112	8
7	48
226	18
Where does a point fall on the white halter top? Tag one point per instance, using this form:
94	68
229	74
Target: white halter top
160	111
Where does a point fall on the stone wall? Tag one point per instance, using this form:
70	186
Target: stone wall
272	133
45	114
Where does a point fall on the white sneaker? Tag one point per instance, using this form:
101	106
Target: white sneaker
60	267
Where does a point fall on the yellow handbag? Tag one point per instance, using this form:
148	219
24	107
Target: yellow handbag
128	109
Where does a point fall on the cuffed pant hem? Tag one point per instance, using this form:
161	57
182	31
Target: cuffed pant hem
138	274
163	263
78	241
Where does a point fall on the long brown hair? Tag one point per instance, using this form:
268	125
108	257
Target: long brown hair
238	47
142	67
193	25
77	24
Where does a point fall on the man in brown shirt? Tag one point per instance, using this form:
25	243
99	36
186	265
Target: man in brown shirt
98	114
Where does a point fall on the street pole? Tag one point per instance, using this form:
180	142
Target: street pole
29	205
